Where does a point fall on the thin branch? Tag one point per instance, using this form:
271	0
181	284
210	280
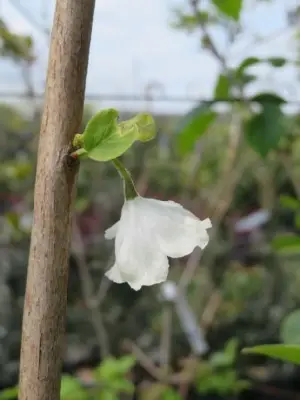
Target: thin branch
210	43
29	18
183	377
166	335
145	361
211	309
224	194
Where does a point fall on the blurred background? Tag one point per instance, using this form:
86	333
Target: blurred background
221	79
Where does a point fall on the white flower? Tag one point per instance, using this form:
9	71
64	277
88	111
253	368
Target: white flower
149	232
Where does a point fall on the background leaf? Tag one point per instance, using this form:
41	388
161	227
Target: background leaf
222	87
290	328
231	8
289	202
277	61
248	62
263	131
287	244
285	352
193	127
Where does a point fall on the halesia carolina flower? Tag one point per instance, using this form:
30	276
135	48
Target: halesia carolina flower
149	232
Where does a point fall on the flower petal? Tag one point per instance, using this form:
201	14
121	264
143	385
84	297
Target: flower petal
111	232
138	257
114	274
177	230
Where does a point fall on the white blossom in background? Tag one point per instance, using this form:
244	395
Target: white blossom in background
150	231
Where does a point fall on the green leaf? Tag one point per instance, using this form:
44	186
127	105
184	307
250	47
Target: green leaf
222	87
220	359
231	8
159	391
231	348
268	99
111	368
106	394
285	352
9	394
287	244
264	130
290	328
100	128
225	358
297	221
104	139
193	127
277	61
121	385
289	202
145	126
13	219
72	390
248	62
126	363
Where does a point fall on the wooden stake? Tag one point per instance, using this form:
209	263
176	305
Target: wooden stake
47	278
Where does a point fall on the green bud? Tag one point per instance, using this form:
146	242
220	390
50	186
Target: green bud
78	140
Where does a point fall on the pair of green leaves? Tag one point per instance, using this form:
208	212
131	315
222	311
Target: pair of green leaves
105	138
263	130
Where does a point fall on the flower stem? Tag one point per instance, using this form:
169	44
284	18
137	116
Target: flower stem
129	188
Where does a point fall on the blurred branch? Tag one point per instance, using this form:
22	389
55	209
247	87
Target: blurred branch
145	361
210	310
185	376
86	282
166	335
223	195
104	286
210	45
29	18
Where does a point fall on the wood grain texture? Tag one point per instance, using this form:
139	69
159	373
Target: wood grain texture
47	279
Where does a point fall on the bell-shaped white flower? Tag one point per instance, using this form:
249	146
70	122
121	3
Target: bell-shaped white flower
149	232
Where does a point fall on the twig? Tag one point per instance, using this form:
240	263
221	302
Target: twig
210	43
210	309
145	361
166	334
224	193
183	377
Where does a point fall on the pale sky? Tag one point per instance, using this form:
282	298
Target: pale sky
133	45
